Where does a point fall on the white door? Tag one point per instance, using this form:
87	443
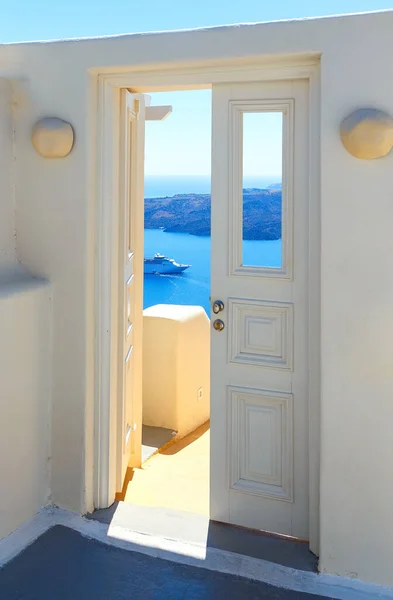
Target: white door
259	391
130	307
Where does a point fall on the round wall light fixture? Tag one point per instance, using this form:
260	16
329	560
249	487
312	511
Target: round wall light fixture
367	133
52	137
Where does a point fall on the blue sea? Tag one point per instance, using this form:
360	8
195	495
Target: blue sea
160	186
193	286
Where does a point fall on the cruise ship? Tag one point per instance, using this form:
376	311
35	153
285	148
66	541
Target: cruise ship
162	265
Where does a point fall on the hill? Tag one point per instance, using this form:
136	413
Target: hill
190	213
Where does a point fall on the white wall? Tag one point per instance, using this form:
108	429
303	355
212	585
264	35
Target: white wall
25	367
357	321
53	242
25	355
55	219
7	207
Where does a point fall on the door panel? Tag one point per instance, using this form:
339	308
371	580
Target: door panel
259	411
131	199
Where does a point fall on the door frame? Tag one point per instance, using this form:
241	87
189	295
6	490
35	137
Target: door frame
105	89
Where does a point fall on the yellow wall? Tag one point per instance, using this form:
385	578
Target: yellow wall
176	364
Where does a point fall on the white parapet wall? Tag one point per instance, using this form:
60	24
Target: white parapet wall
176	367
25	411
7	189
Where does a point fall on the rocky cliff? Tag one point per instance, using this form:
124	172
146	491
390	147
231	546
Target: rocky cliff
190	213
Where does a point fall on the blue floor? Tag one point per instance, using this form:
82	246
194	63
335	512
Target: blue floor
63	565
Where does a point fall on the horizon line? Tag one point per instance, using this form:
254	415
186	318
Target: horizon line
204	175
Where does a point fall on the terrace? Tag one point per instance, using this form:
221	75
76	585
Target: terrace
294	367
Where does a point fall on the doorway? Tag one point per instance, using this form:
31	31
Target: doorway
175	465
260	357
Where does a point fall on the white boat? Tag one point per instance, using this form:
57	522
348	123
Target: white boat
162	265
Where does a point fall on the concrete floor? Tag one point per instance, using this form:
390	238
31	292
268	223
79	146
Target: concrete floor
63	565
197	531
177	477
154	438
168	498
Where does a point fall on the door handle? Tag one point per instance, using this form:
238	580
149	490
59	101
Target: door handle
218	325
218	306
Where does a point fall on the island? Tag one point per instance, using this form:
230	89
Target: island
190	213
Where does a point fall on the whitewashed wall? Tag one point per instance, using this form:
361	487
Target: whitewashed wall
54	221
7	198
25	356
357	316
25	369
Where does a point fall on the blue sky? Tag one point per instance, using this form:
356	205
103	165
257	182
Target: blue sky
182	143
48	19
179	145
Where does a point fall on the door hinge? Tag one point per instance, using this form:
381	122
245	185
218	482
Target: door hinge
128	434
129	430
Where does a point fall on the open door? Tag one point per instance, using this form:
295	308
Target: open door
135	110
259	341
132	157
